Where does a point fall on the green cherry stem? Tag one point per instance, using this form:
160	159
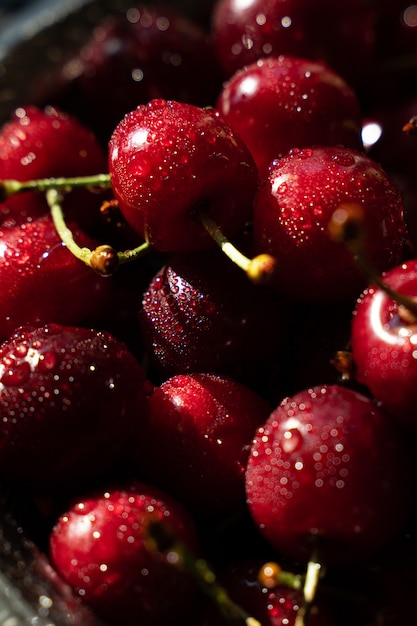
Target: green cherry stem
103	259
314	571
271	574
260	269
161	539
11	187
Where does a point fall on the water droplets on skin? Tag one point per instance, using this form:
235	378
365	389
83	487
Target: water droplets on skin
47	361
17	374
344	159
292	440
139	166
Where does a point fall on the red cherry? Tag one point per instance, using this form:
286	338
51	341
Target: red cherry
303	103
292	210
147	52
46	143
198	439
100	547
201	314
43	282
341	34
329	472
167	160
383	344
72	403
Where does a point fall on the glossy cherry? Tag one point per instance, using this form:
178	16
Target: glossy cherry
201	314
292	210
72	402
342	34
303	103
169	160
102	547
145	52
198	438
44	143
43	282
329	473
383	344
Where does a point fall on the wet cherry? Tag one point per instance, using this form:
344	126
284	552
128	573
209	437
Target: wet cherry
329	474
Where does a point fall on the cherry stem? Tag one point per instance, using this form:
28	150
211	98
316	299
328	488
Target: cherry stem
347	226
161	539
11	187
314	570
271	575
259	269
103	259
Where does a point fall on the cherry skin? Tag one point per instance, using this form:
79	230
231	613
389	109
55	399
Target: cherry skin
329	472
72	402
341	34
292	210
303	103
201	314
167	160
43	282
147	52
383	344
100	547
198	437
46	143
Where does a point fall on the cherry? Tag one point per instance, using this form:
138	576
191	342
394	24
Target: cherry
201	314
39	143
102	547
329	472
146	52
303	103
198	438
169	160
42	282
73	402
342	34
383	344
292	210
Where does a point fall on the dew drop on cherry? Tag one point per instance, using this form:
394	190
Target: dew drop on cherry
16	375
47	361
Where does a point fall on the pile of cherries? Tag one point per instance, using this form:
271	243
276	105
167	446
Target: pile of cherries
208	367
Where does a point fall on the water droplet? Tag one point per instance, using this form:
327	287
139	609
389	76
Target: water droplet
17	374
47	361
344	158
139	165
292	440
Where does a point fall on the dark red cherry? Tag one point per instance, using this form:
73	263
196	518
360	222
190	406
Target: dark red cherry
329	473
198	438
101	547
72	402
43	282
144	53
168	160
201	314
46	143
292	210
303	103
384	344
340	33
